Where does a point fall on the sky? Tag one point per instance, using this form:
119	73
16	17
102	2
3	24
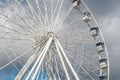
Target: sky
107	14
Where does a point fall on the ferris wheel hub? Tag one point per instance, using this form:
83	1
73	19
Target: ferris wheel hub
50	34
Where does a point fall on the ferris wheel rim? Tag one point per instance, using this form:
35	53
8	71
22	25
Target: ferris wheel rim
100	35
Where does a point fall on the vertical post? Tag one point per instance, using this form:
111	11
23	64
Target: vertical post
41	59
37	61
61	58
25	67
67	60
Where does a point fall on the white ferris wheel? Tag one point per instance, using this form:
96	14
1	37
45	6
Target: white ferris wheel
51	40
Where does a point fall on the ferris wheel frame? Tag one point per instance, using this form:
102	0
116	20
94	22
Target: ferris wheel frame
95	31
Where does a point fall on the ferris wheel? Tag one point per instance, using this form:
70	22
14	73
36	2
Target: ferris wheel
51	40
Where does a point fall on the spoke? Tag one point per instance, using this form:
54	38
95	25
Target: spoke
47	66
40	12
52	16
15	39
57	71
97	69
32	10
22	19
34	13
80	66
58	14
46	13
6	27
68	25
14	52
14	33
73	32
65	16
26	66
51	66
28	24
86	58
11	46
6	53
87	73
15	59
29	27
2	4
52	5
12	21
24	10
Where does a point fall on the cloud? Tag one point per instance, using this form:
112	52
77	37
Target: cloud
110	25
107	14
109	19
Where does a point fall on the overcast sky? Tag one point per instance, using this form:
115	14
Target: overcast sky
107	13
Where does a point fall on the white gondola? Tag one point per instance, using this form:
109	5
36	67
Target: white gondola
103	77
100	47
86	16
94	31
103	63
76	4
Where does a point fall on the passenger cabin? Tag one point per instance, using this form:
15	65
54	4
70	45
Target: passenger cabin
86	16
94	31
100	46
76	4
103	63
103	77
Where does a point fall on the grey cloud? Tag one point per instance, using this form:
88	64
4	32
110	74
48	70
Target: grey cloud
110	26
107	14
103	7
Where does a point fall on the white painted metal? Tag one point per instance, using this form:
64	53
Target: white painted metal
71	67
27	65
43	53
61	58
41	59
54	28
108	70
